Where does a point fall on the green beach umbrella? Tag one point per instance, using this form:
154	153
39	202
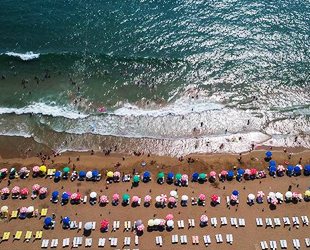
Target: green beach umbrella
13	170
0	174
160	175
126	197
66	170
136	178
202	176
178	176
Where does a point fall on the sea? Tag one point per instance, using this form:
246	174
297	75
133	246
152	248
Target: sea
156	76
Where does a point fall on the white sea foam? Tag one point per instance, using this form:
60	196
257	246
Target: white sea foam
25	57
44	109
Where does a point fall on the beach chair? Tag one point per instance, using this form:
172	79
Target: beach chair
277	222
223	221
136	240
160	240
85	199
307	242
75	242
195	240
18	235
296	243
269	222
227	201
129	225
114	226
127	241
38	235
88	242
263	245
14	215
51	172
6	236
94	225
193	223
125	225
273	245
295	221
183	239
241	222
65	242
286	221
233	222
28	236
43	212
305	220
207	240
44	243
54	243
101	242
283	244
219	238
259	222
229	238
214	222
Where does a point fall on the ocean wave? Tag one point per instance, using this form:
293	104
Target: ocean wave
44	109
25	57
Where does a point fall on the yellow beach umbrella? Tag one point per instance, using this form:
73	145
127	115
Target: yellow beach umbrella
110	174
151	223
43	168
4	209
307	193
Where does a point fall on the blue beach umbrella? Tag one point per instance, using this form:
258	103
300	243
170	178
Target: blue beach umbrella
82	174
195	175
95	173
55	194
146	174
57	174
66	220
307	167
272	163
65	196
235	192
290	168
297	170
240	171
170	175
268	154
272	169
230	173
47	220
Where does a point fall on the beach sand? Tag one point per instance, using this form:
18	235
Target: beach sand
244	238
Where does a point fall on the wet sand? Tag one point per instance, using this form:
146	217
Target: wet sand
244	238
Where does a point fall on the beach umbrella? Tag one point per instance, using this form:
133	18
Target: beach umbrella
88	225
140	227
43	168
95	173
126	197
170	175
4	209
297	169
82	174
204	218
57	174
48	221
163	198
268	154
274	201
212	173
240	171
169	217
89	174
117	174
147	198
12	170
23	210
115	197
36	169
5	190
307	193
36	187
271	194
234	197
104	224
279	195
184	197
202	176
24	191
135	198
65	196
235	192
184	177
4	170
160	175
251	196
298	165
156	222
151	223
110	174
272	169
172	199
15	190
74	196
24	170
280	168
146	174
288	194
290	168
295	195
43	190
230	173
93	195
253	171
272	163
55	194
202	197
214	198
195	175
158	199
247	171
103	199
260	194
307	167
66	169
66	220
136	178
162	222
170	223
178	176
30	209
173	193
138	223
224	172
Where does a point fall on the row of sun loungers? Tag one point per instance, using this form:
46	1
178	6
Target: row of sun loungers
283	244
195	239
286	221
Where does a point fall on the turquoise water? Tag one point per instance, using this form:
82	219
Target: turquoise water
152	64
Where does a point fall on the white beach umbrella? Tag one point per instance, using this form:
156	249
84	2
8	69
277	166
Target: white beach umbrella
288	194
184	197
170	223
272	194
251	196
88	225
93	195
89	174
158	199
156	222
30	209
173	193
279	195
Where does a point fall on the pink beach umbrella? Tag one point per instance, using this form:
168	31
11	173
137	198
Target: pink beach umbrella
172	200
212	173
280	168
4	170
224	172
163	198
23	210
24	170
253	171
74	196
184	177
169	217
24	191
5	190
15	190
295	195
162	222
117	174
103	199
135	198
274	201
115	197
35	187
202	197
43	190
204	218
140	227
260	194
247	171
234	197
147	198
36	169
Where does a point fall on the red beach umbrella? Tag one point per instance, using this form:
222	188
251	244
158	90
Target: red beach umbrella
35	187
24	191
204	218
212	173
43	190
214	198
104	224
169	217
172	200
115	197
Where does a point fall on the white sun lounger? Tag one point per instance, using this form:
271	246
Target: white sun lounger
85	199
65	242
219	238
223	221
88	242
307	241
227	200
183	239
44	243
114	225
127	241
229	238
207	239
101	242
54	243
181	224
286	221
283	244
80	225
259	222
277	222
113	242
263	245
214	222
174	238
159	240
233	222
94	225
296	243
305	220
77	241
273	245
296	221
241	222
269	222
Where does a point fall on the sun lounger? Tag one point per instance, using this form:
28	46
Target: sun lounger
193	223
269	222
94	225
65	242
129	225
183	239
101	242
159	240
18	235
54	243
38	235
233	222
219	238
305	220
241	222
43	212
14	215
295	221
286	221
273	245
207	240
44	243
114	242
223	221
307	241
214	222
114	225
195	240
85	199
277	222
259	222
180	224
263	245
28	236
229	238
6	236
127	241
227	200
283	244
136	240
88	242
174	238
125	225
296	243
